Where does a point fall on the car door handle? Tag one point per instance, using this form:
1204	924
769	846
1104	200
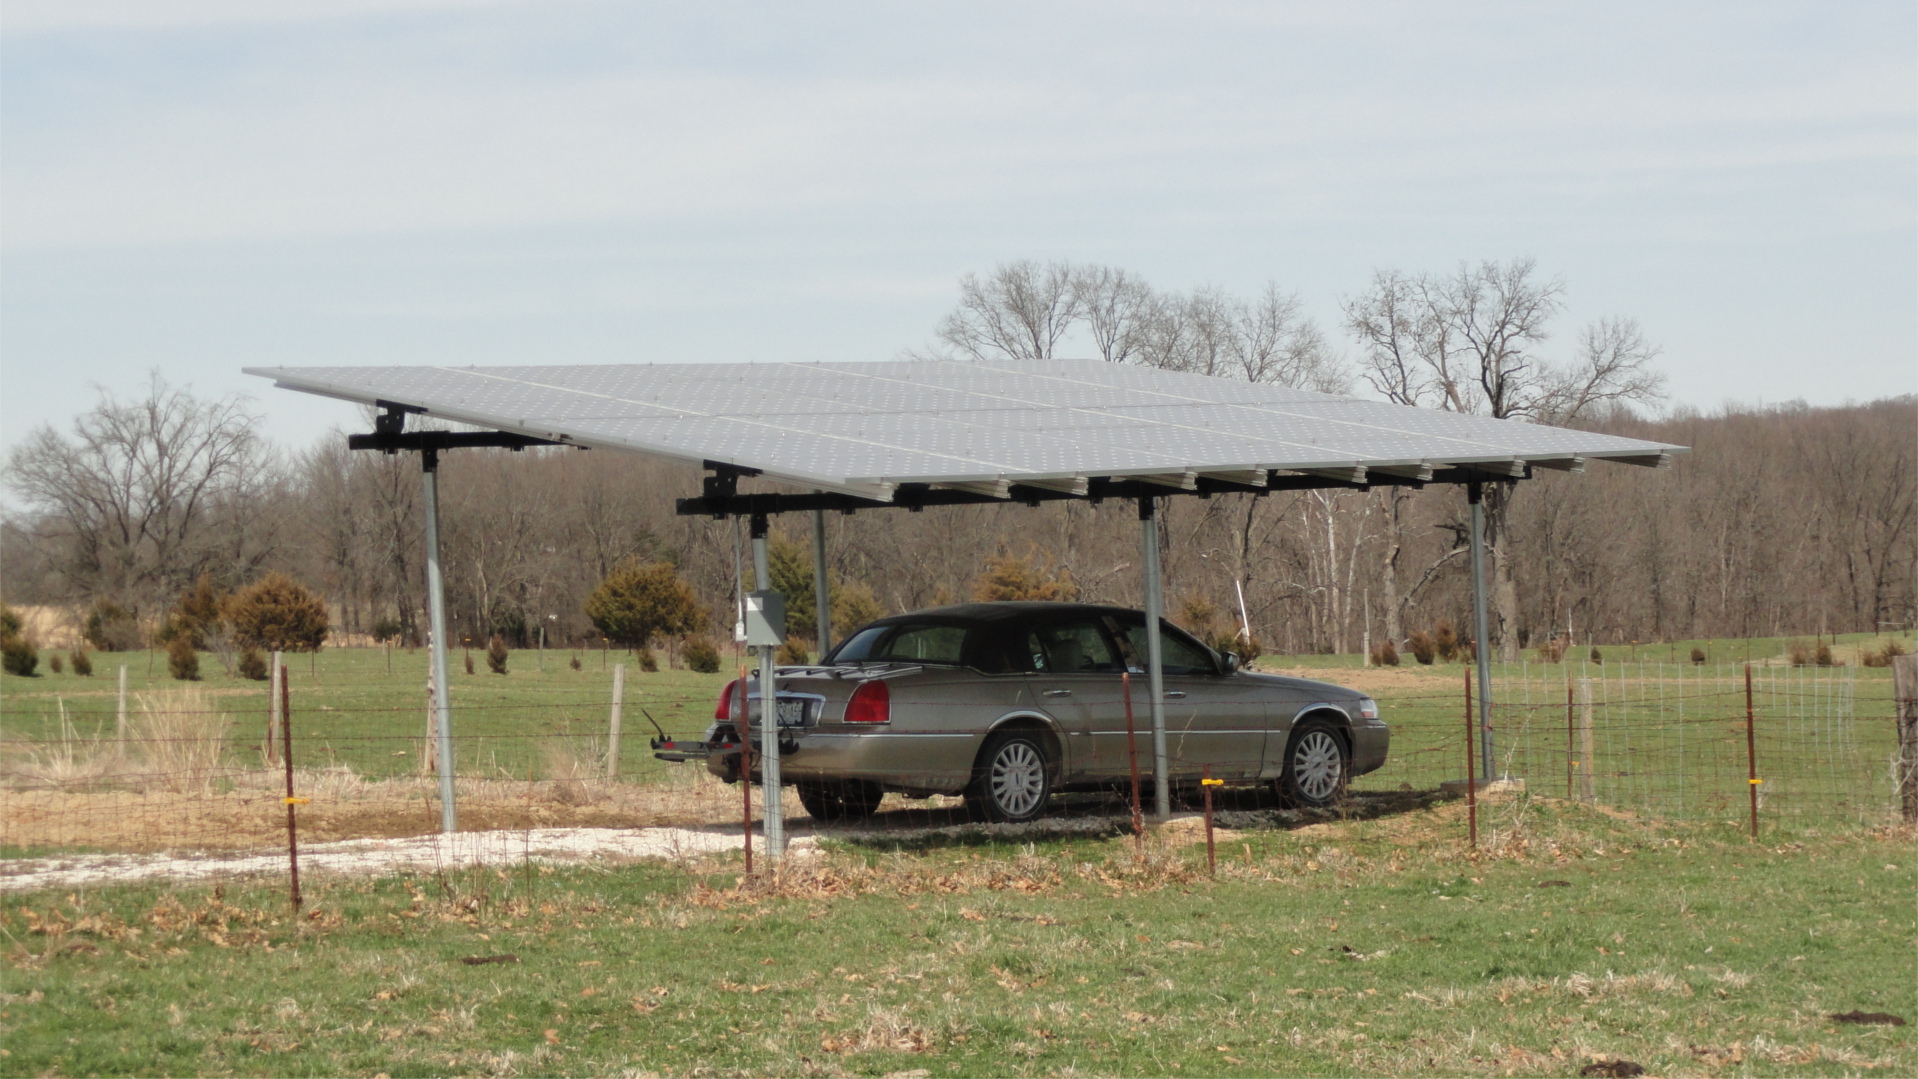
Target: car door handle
1175	692
1058	693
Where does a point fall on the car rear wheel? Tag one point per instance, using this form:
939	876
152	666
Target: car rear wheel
1013	779
840	800
1317	766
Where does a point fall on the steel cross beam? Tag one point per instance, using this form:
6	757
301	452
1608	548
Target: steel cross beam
721	498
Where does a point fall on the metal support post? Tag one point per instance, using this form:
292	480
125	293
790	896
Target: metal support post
1481	645
768	714
436	615
1155	665
821	591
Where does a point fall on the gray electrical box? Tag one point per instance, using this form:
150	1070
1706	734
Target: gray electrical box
766	619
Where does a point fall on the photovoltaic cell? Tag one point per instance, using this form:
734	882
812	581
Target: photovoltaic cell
864	428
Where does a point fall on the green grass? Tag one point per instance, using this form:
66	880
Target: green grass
1375	948
349	708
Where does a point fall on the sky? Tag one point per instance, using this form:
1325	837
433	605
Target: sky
194	186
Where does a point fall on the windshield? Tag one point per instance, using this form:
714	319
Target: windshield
907	642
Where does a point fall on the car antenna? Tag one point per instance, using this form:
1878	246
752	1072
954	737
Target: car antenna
655	723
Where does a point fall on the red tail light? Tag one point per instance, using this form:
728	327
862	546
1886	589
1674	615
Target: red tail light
870	703
728	700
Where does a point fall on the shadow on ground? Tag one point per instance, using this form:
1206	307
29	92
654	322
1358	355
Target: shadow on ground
1093	816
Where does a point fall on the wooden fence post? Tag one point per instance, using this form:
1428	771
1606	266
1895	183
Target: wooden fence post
274	699
1586	791
612	733
1904	677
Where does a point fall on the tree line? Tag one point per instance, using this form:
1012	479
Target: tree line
1783	520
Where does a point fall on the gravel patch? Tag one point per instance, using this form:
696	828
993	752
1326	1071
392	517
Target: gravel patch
366	857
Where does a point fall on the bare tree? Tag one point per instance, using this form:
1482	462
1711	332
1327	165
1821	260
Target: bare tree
134	494
1019	311
1469	342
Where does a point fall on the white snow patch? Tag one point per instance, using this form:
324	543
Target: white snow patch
376	856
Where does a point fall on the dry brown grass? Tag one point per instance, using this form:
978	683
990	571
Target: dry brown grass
244	810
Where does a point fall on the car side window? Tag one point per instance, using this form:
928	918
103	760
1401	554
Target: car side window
1071	648
1178	654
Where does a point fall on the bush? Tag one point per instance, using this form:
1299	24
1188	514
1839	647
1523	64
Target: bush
18	655
181	660
111	628
1698	657
853	605
575	663
469	661
10	624
793	653
1553	650
1423	650
639	601
496	654
701	655
54	661
278	614
1597	656
385	629
1008	577
253	665
197	615
82	663
1822	655
648	662
1386	654
1799	653
1882	656
1445	639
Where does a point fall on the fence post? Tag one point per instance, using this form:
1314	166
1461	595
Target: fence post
1586	791
1571	749
275	695
120	720
612	733
1904	678
1132	754
292	828
1471	780
1211	854
1751	749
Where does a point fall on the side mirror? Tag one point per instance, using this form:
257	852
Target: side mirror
1231	662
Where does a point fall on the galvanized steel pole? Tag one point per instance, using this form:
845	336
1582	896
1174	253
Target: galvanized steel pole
768	713
821	593
436	615
1475	494
1155	666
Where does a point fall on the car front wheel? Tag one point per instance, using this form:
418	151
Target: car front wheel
1317	766
1013	779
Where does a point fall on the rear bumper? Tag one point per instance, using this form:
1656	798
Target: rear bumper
912	761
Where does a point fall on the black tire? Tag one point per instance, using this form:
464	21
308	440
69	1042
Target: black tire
1013	779
1318	766
840	800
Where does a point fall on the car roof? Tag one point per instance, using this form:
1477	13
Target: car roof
1001	610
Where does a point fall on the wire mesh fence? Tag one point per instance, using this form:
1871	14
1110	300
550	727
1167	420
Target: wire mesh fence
194	766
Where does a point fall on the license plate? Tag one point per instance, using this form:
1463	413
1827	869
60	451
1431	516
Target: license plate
792	713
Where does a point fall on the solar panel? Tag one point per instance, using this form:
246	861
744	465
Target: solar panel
865	428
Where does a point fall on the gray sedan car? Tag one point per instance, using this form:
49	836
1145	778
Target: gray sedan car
1010	703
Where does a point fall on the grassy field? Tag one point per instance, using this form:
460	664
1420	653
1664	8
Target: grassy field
1668	739
1376	947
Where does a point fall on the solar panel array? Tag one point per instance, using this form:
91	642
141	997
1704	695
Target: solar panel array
864	428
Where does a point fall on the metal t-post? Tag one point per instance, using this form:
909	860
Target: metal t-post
436	615
821	593
768	714
1155	665
1475	494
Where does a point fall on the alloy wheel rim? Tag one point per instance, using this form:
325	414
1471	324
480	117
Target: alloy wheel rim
1018	779
1315	767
